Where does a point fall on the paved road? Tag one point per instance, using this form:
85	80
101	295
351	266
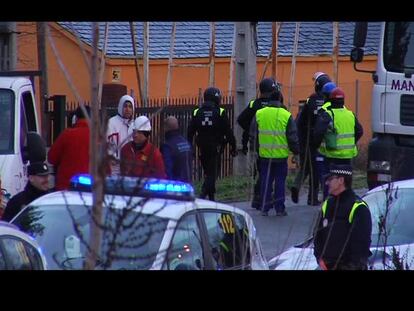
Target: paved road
279	233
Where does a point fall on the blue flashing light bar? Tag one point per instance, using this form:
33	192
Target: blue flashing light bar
84	180
81	182
168	186
134	186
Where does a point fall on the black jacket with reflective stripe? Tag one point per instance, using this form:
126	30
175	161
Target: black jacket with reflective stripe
212	127
334	233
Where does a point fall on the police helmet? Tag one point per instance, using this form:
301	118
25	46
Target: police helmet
320	79
269	85
212	94
327	89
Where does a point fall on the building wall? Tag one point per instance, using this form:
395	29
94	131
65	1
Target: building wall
188	81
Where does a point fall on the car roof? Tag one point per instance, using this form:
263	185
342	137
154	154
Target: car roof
166	208
13	82
401	184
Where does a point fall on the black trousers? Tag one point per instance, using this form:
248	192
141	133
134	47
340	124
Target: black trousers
256	194
210	162
308	167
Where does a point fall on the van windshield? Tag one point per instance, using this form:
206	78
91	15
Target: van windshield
6	121
131	240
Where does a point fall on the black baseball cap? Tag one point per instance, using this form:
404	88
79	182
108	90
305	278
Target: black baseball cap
38	168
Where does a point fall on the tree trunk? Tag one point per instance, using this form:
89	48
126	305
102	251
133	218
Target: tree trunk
95	161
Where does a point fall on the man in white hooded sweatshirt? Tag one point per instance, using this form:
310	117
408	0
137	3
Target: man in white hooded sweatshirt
118	130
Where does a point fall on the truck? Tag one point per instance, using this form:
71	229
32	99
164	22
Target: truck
20	140
391	149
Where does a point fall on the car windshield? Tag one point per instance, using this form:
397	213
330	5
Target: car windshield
131	240
392	225
6	121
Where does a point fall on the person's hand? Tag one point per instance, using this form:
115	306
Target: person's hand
233	152
245	150
295	159
322	265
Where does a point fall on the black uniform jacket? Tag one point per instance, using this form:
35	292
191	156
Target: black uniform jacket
306	121
212	127
338	241
20	200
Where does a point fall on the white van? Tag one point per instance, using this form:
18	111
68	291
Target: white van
18	126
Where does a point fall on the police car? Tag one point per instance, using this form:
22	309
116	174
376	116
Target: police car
392	239
19	251
147	224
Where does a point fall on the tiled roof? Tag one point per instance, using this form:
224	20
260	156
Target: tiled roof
192	38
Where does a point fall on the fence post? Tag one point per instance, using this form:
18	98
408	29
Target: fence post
59	114
356	97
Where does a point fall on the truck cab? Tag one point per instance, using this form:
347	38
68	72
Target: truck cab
17	118
391	149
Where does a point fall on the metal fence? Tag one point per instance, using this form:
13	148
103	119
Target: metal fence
157	111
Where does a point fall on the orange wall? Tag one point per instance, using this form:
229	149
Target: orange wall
186	82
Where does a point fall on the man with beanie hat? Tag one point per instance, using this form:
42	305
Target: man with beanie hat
117	132
343	233
176	152
140	158
336	132
37	185
267	87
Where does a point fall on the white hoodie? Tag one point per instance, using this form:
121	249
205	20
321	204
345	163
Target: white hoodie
117	132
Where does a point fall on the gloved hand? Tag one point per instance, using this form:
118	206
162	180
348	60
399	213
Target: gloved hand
245	150
295	159
233	151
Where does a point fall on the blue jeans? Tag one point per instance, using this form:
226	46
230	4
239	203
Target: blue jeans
273	172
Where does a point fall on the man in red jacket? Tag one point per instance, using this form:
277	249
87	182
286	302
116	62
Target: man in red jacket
70	152
140	158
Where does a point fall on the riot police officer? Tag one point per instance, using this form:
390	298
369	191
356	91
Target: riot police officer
213	130
309	157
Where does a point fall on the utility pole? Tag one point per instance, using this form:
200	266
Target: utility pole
335	50
102	64
293	67
245	82
43	79
146	63
274	49
170	62
212	53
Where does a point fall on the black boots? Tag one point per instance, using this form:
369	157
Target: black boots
295	194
